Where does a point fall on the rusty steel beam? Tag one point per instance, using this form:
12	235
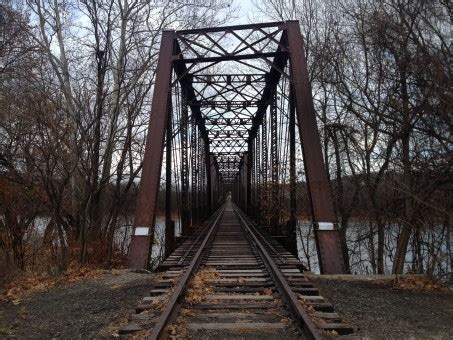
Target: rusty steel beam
201	178
245	174
252	164
264	193
273	78
231	28
235	57
227	78
249	163
185	201
292	155
227	104
145	212
194	171
210	184
184	80
331	257
275	206
291	225
258	174
208	163
228	121
169	224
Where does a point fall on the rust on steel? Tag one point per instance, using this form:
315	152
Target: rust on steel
228	114
305	324
320	195
149	183
328	243
173	305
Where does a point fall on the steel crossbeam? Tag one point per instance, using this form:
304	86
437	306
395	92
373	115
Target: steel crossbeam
227	133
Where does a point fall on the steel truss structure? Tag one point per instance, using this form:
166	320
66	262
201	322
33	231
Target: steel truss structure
227	102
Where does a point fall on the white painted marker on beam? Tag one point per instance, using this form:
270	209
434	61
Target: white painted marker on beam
141	231
325	225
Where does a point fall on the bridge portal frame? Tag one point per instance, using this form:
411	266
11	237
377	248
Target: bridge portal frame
290	52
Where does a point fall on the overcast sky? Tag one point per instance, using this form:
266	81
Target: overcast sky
246	12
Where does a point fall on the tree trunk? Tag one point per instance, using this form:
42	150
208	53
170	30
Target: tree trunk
398	265
371	244
380	250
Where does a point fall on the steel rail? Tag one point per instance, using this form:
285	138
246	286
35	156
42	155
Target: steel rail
282	259
304	323
173	305
183	257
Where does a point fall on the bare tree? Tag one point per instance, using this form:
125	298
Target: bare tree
379	73
94	77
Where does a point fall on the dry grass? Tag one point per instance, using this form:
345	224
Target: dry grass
30	283
417	282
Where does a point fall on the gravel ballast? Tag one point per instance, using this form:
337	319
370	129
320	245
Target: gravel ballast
381	312
77	310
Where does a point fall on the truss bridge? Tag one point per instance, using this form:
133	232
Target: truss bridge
232	114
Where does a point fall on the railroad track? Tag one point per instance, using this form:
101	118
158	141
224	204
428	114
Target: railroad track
230	281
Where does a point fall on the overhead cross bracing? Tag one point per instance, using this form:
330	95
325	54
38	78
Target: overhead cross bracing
225	104
228	102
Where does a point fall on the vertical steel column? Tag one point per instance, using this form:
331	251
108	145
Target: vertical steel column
198	176
234	192
209	179
202	179
274	207
239	189
185	202
246	181
291	235
259	184
249	165
145	213
292	155
194	170
264	206
169	224
219	189
328	239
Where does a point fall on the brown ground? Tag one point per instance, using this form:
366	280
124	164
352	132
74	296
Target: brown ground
381	312
84	309
74	311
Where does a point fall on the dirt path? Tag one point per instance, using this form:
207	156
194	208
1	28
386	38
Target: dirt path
79	310
381	312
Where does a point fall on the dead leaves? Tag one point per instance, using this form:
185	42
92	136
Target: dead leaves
416	282
266	291
171	330
177	330
16	289
35	283
199	286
